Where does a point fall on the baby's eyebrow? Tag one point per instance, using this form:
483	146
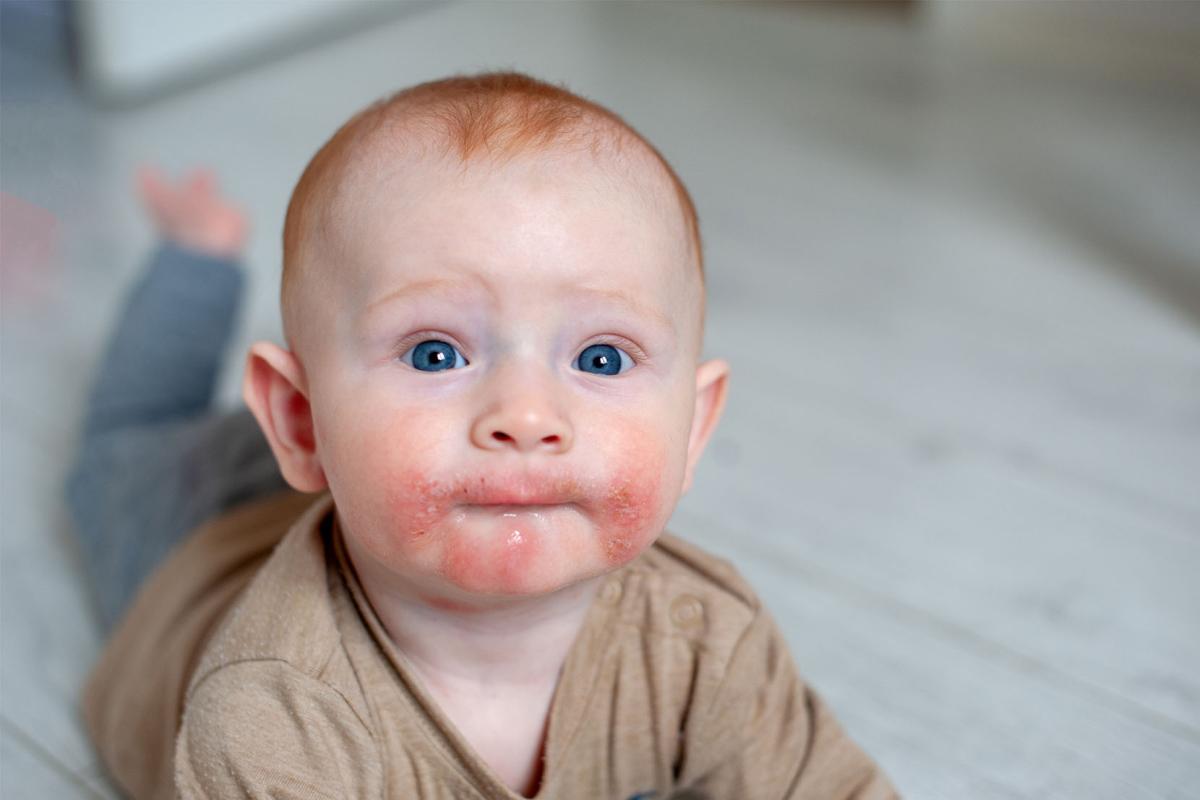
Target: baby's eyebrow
615	297
441	285
622	298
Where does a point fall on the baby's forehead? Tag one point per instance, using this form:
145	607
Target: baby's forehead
418	200
417	169
406	214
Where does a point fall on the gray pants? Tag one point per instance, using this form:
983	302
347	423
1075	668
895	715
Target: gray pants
155	460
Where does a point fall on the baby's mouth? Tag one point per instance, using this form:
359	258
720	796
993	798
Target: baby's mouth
515	509
511	494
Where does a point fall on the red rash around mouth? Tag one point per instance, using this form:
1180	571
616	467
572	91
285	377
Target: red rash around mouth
497	564
622	514
629	509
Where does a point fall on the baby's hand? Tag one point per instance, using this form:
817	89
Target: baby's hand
192	213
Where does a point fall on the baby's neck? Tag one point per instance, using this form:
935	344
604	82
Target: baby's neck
512	644
492	669
515	647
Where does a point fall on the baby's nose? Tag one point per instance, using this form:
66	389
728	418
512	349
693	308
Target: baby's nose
525	425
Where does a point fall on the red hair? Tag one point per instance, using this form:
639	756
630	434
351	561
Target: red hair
494	114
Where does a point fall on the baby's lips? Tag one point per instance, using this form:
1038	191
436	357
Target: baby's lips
516	490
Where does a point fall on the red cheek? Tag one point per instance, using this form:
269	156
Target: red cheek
624	504
631	509
416	504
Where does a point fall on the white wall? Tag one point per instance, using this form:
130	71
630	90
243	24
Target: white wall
132	49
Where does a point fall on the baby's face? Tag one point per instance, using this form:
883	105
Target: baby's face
503	401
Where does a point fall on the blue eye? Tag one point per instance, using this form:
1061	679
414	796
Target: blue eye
434	355
603	359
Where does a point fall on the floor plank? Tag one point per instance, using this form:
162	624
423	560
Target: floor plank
28	770
947	720
50	634
1058	527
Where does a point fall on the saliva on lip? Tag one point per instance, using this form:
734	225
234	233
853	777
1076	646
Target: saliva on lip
513	511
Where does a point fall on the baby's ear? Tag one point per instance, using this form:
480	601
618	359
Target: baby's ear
273	388
712	380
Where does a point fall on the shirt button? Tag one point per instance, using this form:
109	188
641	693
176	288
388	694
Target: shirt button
687	611
611	592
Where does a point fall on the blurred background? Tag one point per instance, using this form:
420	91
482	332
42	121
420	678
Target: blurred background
953	255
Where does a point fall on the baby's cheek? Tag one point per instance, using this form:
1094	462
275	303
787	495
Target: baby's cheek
416	503
420	529
638	501
407	501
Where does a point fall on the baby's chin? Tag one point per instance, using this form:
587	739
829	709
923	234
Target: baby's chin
526	552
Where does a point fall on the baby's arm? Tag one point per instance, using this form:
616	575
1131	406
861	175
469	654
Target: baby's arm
764	732
265	729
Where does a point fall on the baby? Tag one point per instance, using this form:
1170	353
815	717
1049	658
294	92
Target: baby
490	402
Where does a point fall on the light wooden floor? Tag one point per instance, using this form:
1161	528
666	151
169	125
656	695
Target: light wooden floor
961	296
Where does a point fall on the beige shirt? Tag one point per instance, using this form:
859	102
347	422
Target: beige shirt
246	671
